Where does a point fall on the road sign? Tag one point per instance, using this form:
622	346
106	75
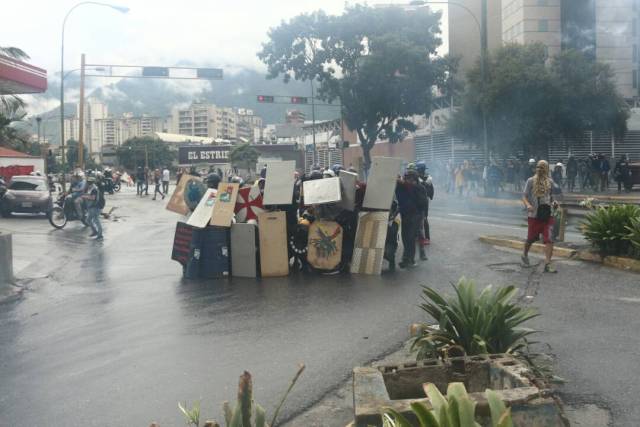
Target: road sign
155	72
194	154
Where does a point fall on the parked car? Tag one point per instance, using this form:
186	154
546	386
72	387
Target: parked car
27	194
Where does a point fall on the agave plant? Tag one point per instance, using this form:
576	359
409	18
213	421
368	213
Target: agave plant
607	228
456	410
483	323
246	413
633	236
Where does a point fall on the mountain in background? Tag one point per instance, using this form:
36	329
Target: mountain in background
157	97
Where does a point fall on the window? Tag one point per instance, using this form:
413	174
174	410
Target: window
634	77
543	26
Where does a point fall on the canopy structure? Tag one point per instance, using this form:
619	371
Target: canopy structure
17	77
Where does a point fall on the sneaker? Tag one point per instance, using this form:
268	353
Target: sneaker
99	238
412	264
423	257
403	264
93	234
525	260
427	241
548	268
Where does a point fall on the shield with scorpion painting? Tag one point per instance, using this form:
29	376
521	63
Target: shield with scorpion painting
325	245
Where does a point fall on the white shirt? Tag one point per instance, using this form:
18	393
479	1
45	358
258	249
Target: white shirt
166	175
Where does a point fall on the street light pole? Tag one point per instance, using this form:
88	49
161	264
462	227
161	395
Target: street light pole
120	9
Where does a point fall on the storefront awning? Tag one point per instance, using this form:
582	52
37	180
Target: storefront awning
17	77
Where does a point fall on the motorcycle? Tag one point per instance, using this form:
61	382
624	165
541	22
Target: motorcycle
64	210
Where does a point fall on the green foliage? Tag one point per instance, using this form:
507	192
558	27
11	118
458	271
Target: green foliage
455	410
191	416
246	413
140	151
479	323
380	64
72	153
528	103
608	228
634	236
244	156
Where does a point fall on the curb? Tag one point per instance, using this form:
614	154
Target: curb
621	263
509	242
497	202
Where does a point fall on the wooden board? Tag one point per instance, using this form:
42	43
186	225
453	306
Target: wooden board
321	191
274	255
382	182
177	203
278	188
244	250
223	210
369	243
325	245
348	181
202	214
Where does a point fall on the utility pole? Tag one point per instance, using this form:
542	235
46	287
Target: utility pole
81	117
483	70
313	125
38	121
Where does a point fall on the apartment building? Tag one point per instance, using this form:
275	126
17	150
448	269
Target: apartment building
196	120
249	127
115	131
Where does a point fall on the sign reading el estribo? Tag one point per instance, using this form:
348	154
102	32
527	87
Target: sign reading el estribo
194	154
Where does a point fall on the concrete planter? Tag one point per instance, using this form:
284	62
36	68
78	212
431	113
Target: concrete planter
397	386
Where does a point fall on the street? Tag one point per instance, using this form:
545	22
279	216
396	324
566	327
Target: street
108	334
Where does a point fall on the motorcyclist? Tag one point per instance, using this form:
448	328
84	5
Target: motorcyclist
78	186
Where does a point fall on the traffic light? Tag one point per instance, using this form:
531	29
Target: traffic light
299	100
265	98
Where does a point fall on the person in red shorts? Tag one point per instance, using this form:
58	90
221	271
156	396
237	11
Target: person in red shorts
538	198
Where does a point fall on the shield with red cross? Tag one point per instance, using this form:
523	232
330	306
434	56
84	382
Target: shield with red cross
248	204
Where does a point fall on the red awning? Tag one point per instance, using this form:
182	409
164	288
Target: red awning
7	152
18	77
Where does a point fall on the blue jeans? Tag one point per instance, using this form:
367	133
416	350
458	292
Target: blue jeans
94	220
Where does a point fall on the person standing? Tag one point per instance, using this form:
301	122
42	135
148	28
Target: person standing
572	173
95	202
411	203
621	173
179	175
427	182
166	176
605	168
140	177
157	181
148	177
538	199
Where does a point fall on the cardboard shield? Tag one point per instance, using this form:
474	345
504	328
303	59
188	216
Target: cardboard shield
371	235
223	210
348	181
244	250
382	182
274	255
325	245
177	201
278	188
320	191
248	204
202	214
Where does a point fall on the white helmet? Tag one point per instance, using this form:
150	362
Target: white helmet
328	174
531	161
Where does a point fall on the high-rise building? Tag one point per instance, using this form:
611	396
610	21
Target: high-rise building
603	29
116	131
196	120
295	117
464	29
249	126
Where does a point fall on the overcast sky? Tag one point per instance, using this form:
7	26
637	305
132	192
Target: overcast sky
218	33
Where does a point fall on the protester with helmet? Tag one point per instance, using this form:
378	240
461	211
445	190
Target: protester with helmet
412	203
213	180
427	182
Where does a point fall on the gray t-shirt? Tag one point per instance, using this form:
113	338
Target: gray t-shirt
533	200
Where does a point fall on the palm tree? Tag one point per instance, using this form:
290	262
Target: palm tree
10	104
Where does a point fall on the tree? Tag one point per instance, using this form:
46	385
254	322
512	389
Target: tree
244	156
528	102
589	100
145	151
380	64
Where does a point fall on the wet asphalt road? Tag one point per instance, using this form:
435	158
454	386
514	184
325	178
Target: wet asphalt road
108	334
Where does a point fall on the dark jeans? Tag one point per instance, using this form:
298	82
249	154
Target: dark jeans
157	191
165	187
410	228
139	187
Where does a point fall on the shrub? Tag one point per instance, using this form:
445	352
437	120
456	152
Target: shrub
607	228
457	409
479	323
633	236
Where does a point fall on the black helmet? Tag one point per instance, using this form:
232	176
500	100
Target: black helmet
213	180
